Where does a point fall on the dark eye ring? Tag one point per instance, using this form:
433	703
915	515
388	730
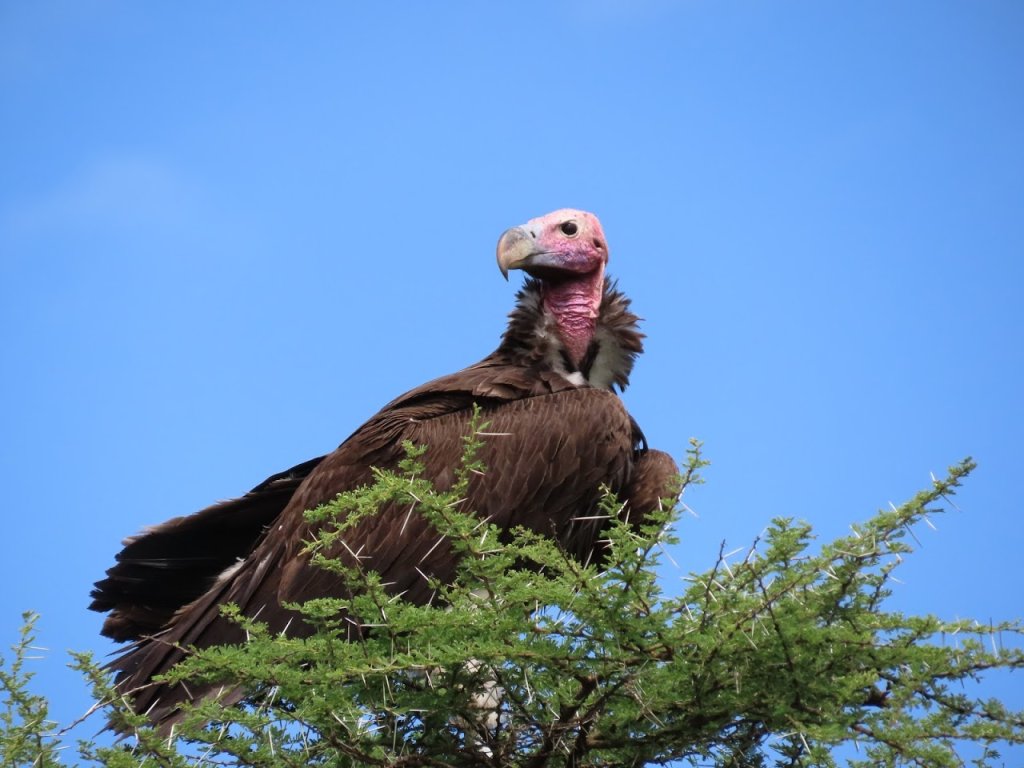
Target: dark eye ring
570	229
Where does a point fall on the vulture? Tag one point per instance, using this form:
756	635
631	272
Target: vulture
558	433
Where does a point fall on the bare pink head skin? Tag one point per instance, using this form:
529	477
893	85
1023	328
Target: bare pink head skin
566	251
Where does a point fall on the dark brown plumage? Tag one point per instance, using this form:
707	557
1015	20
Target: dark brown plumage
558	432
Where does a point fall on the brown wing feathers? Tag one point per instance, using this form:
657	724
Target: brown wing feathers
547	468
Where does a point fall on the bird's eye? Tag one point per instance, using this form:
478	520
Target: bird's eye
570	229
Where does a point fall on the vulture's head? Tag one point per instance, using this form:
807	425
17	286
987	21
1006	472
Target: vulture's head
565	253
565	244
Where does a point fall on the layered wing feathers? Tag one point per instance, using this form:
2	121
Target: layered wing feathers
553	447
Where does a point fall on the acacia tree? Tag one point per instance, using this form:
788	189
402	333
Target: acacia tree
774	657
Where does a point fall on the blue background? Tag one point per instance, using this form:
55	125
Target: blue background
230	232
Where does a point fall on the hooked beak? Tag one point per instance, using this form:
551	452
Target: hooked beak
518	249
515	247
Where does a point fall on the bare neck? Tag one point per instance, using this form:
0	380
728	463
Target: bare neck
534	334
575	306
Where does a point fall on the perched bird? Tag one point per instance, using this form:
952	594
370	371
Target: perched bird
560	434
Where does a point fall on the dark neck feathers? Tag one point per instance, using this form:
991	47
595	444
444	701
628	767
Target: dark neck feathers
534	338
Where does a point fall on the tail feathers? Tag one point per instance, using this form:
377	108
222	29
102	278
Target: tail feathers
173	564
201	624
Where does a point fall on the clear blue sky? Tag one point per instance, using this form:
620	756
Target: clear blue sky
230	232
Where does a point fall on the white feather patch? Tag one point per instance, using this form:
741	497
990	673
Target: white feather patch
575	378
229	572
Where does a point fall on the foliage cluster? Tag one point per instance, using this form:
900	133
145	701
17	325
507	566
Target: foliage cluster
774	657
